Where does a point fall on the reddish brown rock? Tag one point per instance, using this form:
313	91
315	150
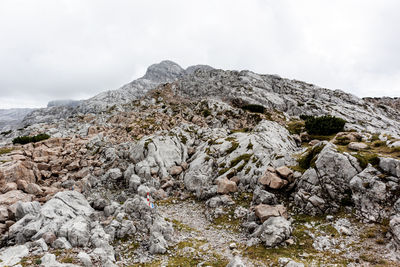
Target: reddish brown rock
167	184
92	130
272	180
43	166
73	165
185	166
18	157
264	212
22	185
271	169
33	189
9	223
49	237
9	187
13	196
12	171
160	194
235	179
226	186
285	172
175	170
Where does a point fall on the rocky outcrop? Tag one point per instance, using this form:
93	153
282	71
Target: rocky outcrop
66	215
326	187
245	155
273	231
372	195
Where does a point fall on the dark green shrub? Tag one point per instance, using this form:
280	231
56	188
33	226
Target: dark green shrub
254	108
30	139
325	125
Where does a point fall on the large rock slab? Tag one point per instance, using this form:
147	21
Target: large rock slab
55	213
326	187
157	153
17	170
372	195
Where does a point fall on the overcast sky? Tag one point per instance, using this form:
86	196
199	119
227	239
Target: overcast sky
74	49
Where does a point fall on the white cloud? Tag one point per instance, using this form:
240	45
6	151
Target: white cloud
75	49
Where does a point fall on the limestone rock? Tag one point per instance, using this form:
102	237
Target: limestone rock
24	208
261	196
327	185
371	195
84	259
390	166
76	231
61	210
3	213
236	262
273	231
13	255
357	146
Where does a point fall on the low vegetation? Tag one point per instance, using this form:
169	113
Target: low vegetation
30	139
308	160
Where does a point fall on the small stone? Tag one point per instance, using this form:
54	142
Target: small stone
232	245
175	170
313	142
290	241
272	180
235	179
85	259
329	218
285	172
226	186
270	169
264	212
49	237
357	146
33	189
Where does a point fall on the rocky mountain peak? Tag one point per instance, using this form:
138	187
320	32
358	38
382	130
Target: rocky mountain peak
165	71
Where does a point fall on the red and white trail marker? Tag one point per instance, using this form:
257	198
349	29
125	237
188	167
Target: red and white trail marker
151	205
